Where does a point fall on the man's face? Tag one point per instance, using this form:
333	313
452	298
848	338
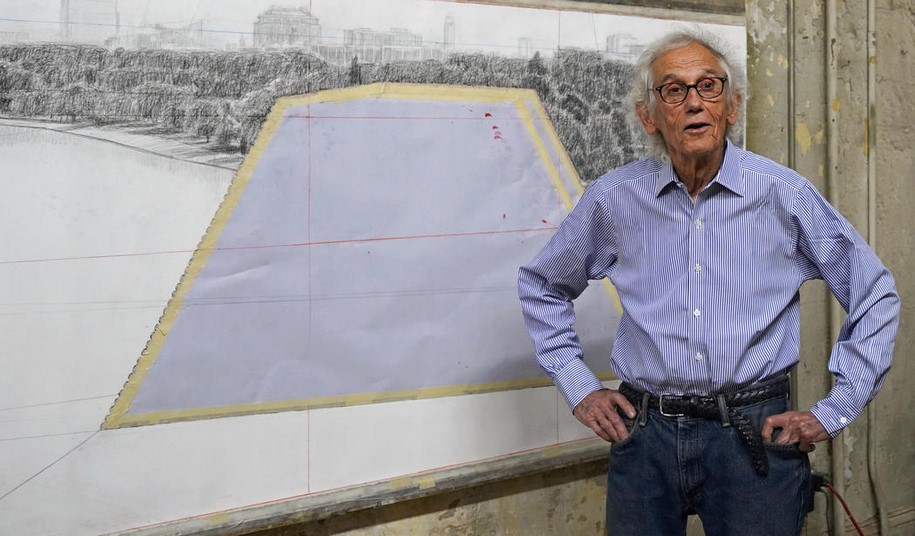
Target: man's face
695	128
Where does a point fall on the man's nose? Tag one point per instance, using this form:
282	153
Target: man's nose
693	99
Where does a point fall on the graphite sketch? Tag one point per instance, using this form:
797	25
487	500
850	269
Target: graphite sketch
310	239
164	81
126	125
162	78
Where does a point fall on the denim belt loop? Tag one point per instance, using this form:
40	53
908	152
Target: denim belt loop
643	409
723	409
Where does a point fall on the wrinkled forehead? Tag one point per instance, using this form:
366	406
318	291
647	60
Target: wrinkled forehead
688	62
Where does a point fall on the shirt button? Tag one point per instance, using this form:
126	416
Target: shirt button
698	357
843	420
698	267
697	312
698	223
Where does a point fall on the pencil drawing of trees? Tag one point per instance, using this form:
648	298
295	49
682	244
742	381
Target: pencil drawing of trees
223	97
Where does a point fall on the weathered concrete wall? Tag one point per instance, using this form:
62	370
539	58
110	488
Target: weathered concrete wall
817	107
566	502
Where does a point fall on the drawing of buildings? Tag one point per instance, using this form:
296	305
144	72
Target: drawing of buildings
525	47
8	38
398	44
88	21
280	27
189	36
286	27
450	34
622	47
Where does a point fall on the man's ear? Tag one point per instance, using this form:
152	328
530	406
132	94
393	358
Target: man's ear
644	115
734	109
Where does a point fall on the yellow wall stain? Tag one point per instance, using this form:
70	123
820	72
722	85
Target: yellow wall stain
402	482
425	482
803	138
867	146
219	518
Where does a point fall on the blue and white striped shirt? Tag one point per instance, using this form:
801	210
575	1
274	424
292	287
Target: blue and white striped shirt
710	289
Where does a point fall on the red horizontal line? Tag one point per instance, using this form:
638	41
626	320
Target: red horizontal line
395	117
290	245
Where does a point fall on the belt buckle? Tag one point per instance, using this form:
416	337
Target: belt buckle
661	407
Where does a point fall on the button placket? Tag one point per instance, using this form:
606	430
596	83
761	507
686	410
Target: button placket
696	292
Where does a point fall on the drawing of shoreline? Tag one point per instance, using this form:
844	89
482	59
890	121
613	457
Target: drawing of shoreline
222	98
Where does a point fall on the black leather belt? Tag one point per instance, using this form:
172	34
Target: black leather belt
723	407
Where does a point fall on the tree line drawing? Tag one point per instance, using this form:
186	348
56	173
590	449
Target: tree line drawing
224	97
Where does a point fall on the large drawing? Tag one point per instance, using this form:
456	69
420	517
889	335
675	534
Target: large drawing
261	249
138	73
367	251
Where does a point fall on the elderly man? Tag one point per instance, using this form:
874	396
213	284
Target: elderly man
707	245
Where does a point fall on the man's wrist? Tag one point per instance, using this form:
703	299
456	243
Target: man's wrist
576	381
831	420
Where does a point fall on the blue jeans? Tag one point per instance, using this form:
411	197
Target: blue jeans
671	467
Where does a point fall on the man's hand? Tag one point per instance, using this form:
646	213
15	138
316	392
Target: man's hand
597	411
799	427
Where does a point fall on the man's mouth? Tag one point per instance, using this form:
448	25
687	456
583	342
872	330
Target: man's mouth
696	126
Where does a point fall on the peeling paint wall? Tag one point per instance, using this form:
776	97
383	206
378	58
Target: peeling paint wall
792	63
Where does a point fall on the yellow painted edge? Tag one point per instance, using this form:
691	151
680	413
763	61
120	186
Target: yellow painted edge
148	357
557	143
236	410
614	296
118	416
329	402
218	518
575	179
552	171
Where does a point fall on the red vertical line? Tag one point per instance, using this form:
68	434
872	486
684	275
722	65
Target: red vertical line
308	450
309	219
310	251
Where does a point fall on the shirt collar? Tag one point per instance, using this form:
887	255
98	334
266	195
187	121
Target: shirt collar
728	176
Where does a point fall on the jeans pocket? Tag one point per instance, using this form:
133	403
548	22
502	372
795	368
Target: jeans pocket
784	450
791	465
631	427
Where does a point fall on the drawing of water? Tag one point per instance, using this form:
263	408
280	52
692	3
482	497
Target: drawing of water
95	237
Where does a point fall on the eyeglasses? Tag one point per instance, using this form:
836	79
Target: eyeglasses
676	92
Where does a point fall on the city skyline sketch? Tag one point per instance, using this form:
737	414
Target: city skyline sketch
231	25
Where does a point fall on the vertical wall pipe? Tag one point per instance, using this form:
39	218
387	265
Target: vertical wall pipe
832	187
871	140
792	143
792	65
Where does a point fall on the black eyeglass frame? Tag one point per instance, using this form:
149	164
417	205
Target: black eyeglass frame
660	88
